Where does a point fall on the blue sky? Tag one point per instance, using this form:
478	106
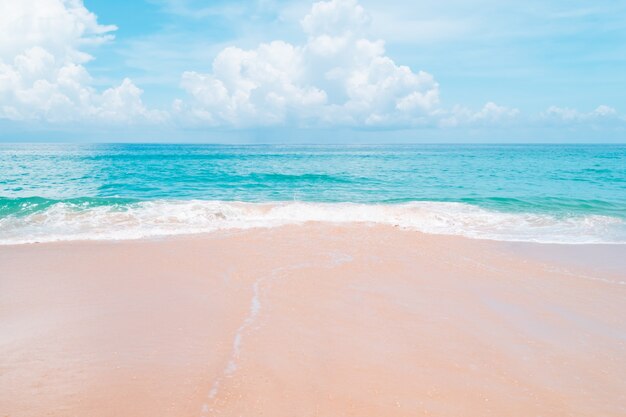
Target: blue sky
329	71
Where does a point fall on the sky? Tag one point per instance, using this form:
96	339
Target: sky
332	71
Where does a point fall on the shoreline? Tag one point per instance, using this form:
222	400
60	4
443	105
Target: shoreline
315	319
204	234
67	220
604	258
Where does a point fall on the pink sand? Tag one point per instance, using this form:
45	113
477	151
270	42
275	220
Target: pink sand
314	320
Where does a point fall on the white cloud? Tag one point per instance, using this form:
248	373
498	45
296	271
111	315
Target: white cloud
58	26
258	86
490	114
335	18
566	115
123	104
337	77
42	73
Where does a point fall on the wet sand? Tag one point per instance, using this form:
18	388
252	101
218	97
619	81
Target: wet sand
314	320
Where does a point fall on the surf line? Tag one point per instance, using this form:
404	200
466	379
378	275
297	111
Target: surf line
251	318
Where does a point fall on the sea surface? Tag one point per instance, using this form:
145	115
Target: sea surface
536	193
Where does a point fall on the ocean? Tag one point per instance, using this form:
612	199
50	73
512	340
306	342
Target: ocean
535	193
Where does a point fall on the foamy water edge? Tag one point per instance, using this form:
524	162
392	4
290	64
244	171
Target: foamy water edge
159	218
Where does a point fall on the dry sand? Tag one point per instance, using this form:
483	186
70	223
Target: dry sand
314	320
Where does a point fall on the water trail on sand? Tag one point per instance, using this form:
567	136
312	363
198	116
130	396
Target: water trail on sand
254	311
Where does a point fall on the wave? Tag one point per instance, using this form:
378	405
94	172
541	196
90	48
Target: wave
79	220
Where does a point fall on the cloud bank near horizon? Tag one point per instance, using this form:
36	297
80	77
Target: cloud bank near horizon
338	77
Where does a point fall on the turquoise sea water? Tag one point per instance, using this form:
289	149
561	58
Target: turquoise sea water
547	193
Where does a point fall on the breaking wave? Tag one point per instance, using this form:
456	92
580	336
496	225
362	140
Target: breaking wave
67	220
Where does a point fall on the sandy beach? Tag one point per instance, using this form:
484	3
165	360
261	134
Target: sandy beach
311	320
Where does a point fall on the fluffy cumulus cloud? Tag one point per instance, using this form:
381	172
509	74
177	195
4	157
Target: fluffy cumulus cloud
337	77
42	72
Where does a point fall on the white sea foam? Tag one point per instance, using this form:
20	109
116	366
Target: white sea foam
164	218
